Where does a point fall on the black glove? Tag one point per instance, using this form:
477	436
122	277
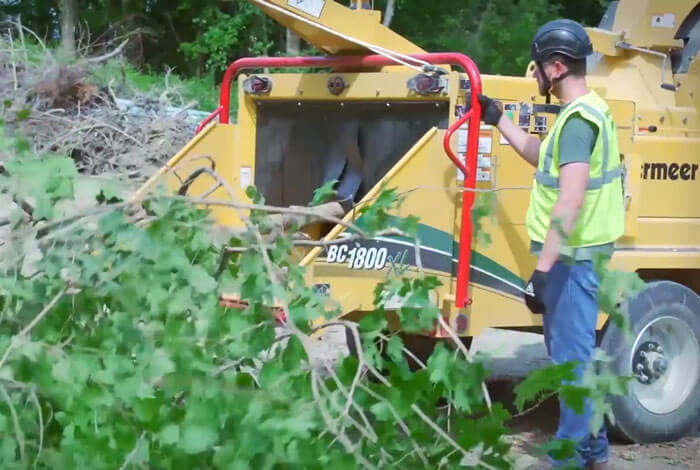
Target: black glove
491	110
534	292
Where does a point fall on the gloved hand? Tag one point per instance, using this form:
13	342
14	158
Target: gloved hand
491	110
534	292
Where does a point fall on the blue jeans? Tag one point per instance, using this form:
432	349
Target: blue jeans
571	300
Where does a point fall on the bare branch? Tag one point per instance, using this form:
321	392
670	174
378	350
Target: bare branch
400	421
40	415
132	454
12	58
27	329
109	55
19	434
467	356
389	12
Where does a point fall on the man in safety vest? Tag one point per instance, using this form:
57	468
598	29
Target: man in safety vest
576	211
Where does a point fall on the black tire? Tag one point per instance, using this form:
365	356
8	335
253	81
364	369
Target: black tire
660	303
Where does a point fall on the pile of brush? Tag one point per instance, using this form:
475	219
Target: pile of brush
58	107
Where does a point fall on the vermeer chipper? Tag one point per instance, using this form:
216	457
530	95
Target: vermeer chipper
374	120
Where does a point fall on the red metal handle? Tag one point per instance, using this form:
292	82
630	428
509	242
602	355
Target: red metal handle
207	120
473	116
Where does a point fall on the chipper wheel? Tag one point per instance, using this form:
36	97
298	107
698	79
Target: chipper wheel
664	356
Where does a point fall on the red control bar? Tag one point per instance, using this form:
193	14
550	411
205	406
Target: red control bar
208	119
473	115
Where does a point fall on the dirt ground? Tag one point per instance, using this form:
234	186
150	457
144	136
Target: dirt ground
513	355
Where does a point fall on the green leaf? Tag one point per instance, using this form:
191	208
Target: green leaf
410	225
26	347
324	194
372	323
201	281
61	370
438	364
198	438
559	449
547	379
160	363
24	114
381	411
394	348
170	434
575	397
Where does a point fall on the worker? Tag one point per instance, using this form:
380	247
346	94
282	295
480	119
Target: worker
576	212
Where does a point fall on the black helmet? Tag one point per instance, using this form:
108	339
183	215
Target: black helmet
565	37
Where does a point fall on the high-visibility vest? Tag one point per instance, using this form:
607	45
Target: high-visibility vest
602	217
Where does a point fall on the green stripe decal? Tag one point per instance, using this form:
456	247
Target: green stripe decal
436	239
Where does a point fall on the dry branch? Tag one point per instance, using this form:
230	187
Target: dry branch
60	108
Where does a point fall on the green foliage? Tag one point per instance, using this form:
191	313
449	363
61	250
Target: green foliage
547	379
128	81
616	287
46	181
325	193
115	352
203	36
483	208
496	35
222	34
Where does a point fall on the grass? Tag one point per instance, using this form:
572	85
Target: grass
127	81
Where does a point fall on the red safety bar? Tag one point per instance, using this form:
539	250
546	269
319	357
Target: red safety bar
473	115
208	119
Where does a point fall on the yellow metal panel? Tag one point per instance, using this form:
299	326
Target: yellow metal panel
643	21
211	148
605	41
635	77
633	200
688	93
665	232
656	258
361	24
670	176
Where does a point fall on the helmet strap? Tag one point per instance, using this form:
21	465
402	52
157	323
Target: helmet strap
547	82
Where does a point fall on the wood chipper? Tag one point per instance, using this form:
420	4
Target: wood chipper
384	113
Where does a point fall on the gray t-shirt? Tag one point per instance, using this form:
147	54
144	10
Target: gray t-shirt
576	142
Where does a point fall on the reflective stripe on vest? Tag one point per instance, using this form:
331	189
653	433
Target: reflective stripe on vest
601	219
545	178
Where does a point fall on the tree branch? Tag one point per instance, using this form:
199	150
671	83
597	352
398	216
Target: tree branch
467	356
33	323
19	435
108	55
389	12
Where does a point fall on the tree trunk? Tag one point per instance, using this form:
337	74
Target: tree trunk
389	12
68	29
293	43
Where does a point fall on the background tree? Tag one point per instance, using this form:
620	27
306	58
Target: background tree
201	36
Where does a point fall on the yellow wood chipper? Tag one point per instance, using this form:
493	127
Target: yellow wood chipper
384	113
